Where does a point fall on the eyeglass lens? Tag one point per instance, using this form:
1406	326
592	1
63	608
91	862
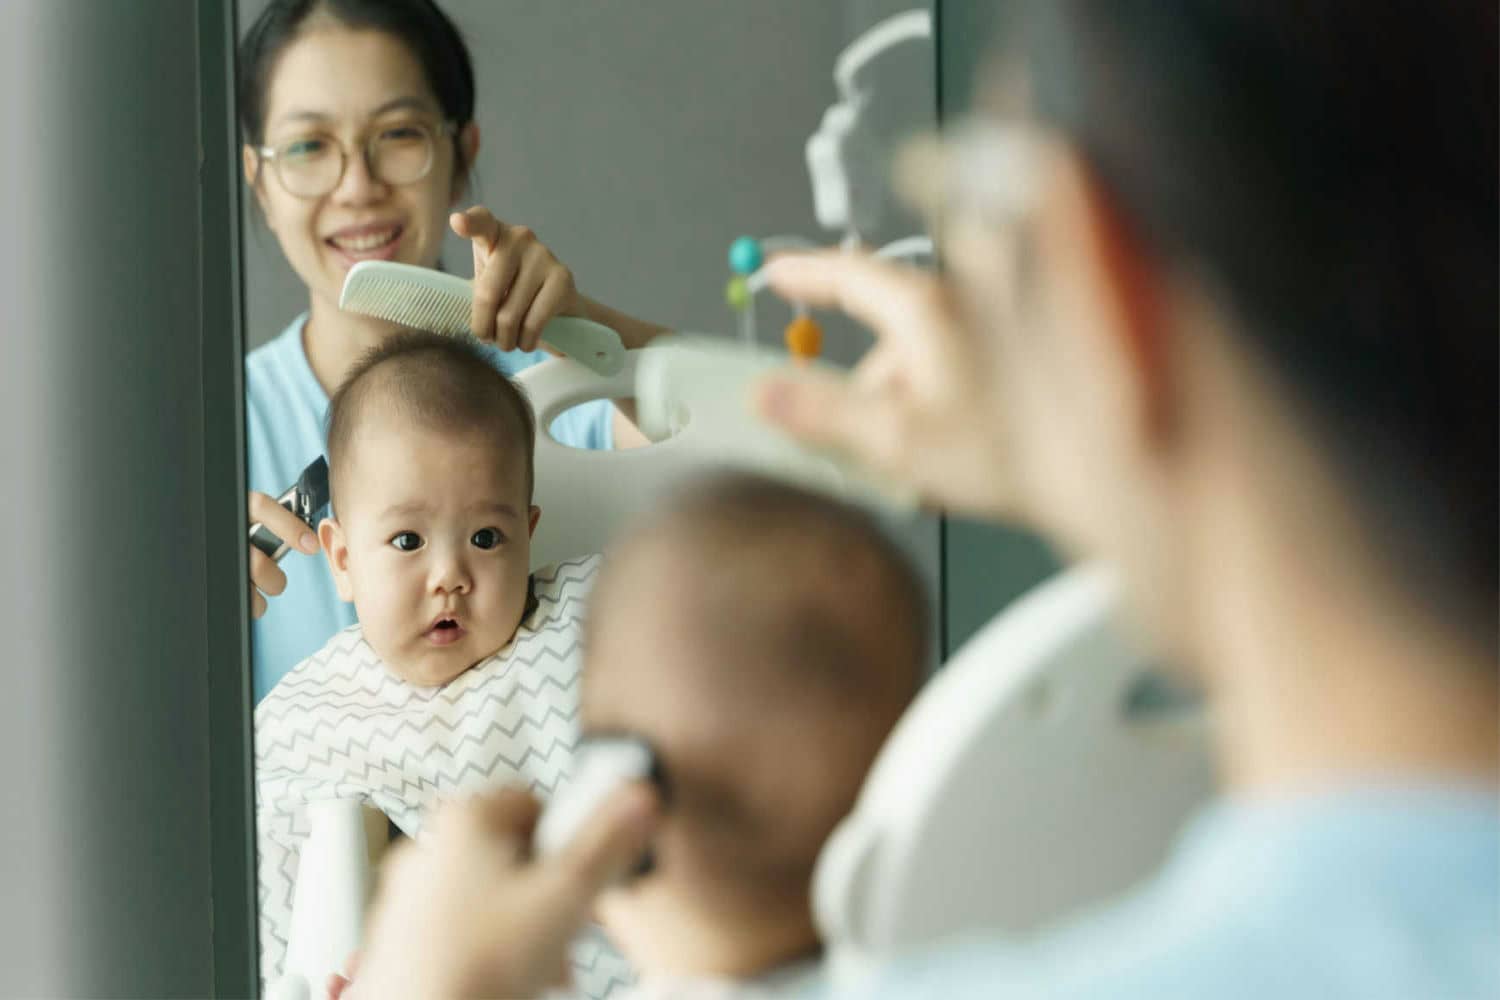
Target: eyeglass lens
314	165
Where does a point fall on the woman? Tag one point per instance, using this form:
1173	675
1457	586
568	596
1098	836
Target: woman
1221	310
358	121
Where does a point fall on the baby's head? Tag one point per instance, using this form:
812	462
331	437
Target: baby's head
764	640
430	465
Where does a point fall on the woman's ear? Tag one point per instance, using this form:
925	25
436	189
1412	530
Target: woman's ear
336	549
468	149
1126	284
536	515
250	161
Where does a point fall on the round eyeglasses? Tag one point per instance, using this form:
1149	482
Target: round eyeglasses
311	166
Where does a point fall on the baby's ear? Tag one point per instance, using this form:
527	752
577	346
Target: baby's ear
536	515
331	538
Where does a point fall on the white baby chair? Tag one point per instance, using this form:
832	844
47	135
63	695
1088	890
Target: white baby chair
1043	769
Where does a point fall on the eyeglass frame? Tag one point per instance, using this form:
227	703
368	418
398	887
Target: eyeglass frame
271	154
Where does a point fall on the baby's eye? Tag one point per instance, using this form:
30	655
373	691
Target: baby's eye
486	538
407	541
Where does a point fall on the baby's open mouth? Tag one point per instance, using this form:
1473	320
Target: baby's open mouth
445	631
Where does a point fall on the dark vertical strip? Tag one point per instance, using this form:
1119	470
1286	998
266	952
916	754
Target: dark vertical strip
225	571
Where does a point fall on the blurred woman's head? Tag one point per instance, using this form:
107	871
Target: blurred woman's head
1257	272
358	126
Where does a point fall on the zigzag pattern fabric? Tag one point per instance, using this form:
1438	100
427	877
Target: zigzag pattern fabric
340	726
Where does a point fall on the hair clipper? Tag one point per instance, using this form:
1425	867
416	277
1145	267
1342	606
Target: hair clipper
307	498
603	764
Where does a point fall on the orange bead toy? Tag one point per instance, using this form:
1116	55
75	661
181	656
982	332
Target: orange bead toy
804	338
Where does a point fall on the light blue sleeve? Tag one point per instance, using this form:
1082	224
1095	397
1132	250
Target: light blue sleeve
590	426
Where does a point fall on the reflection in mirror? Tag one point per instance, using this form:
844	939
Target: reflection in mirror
420	637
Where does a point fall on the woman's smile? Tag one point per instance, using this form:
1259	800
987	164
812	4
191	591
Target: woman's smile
370	241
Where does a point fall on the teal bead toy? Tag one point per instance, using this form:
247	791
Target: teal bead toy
745	256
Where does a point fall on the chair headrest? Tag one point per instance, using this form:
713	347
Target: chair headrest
1020	784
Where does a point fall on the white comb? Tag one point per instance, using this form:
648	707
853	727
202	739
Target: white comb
424	299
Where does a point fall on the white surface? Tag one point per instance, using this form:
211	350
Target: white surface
334	882
1015	788
586	497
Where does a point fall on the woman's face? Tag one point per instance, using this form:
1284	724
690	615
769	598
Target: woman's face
345	85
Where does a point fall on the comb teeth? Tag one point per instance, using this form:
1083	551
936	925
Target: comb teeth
391	296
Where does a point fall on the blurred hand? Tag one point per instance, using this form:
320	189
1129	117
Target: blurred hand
518	284
465	911
920	407
266	578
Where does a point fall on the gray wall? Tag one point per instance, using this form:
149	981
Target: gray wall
118	501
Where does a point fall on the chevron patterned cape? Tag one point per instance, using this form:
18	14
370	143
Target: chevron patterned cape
339	726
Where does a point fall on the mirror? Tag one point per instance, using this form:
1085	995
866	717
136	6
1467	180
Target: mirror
636	141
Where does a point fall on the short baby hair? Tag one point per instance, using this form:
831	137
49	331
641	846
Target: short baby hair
443	383
803	609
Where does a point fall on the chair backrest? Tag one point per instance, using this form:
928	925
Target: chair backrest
586	497
692	396
1025	781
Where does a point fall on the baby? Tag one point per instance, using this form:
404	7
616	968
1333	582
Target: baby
430	472
764	641
463	670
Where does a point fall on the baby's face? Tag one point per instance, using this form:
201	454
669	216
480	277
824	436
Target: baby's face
432	543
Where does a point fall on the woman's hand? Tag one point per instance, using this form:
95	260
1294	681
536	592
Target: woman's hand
465	911
919	407
518	284
265	576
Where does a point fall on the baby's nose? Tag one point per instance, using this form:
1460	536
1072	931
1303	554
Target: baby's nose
450	576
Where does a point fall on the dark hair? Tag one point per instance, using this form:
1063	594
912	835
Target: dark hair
1330	168
433	39
435	381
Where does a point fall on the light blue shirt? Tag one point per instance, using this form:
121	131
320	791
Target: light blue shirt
1383	893
285	409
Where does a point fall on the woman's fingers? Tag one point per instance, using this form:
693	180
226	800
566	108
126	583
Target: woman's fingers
608	847
265	574
282	523
555	294
518	283
821	409
530	274
918	408
502	821
477	224
494	281
891	299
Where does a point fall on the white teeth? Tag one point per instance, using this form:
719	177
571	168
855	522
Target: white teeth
361	244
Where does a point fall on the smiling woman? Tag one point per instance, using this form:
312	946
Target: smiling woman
358	127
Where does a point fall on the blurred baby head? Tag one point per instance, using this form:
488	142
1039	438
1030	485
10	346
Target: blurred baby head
764	640
430	462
